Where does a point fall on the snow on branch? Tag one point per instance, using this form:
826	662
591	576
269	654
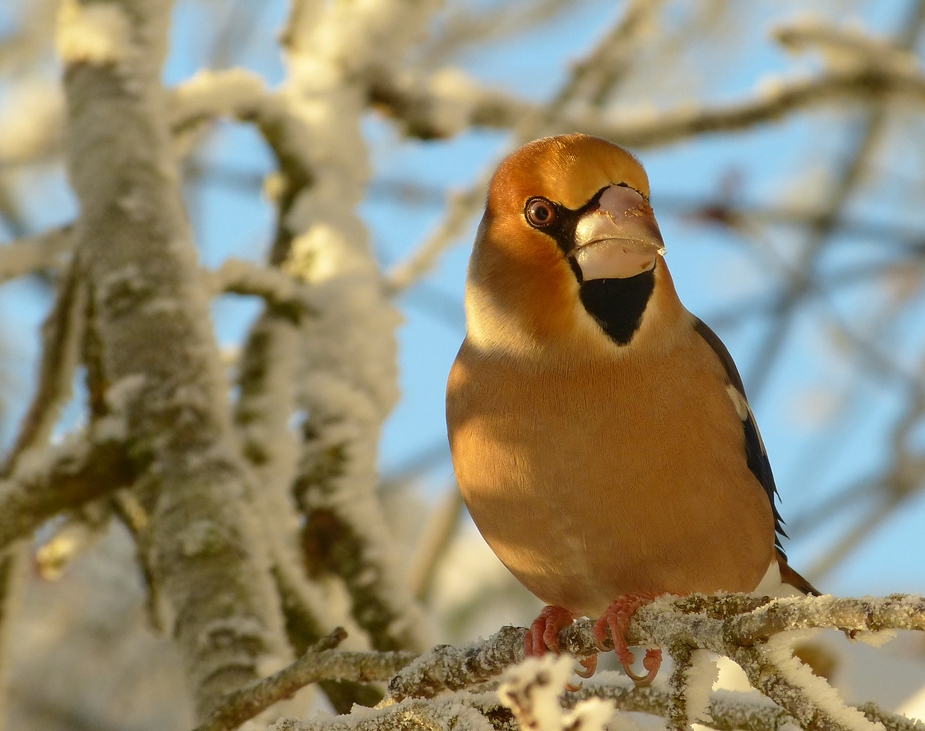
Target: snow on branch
444	714
444	104
63	477
349	352
532	689
749	630
459	104
158	353
845	47
211	94
285	294
319	663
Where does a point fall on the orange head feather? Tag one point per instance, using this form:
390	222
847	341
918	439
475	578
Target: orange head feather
522	289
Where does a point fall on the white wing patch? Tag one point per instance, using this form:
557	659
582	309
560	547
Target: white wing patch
738	400
744	411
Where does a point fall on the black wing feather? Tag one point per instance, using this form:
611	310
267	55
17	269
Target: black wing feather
755	453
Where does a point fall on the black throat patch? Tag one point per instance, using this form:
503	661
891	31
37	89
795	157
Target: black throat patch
618	304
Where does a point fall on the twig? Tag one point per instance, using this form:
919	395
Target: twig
846	47
42	252
319	663
435	539
460	211
284	294
62	336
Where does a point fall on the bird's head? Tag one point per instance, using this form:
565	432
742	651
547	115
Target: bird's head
567	228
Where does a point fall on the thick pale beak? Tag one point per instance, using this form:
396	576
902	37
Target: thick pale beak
620	238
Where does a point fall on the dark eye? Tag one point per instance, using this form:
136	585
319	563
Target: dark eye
540	212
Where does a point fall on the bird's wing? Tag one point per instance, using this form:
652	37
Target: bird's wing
755	452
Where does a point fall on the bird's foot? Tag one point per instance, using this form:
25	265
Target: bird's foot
617	619
543	636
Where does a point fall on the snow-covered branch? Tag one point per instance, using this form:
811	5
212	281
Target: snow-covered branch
771	102
748	630
283	293
62	478
460	103
158	351
350	381
531	691
321	662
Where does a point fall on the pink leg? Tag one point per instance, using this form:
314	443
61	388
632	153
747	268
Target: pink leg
617	620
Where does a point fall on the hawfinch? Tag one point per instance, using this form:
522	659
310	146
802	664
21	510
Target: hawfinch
600	432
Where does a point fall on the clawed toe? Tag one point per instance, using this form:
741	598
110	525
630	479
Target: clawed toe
543	637
590	667
617	619
543	634
652	663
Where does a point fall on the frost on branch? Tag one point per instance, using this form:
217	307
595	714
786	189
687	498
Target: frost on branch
98	33
158	351
532	690
350	378
750	630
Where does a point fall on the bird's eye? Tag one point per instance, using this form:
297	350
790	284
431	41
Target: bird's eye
540	212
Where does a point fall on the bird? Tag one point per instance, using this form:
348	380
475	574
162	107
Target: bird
600	433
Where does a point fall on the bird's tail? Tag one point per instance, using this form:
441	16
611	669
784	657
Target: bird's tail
791	577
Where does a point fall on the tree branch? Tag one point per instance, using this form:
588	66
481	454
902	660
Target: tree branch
735	625
63	478
319	663
158	350
531	689
284	294
350	379
42	252
441	115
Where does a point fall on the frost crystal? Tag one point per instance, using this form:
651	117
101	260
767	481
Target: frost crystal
99	33
779	650
532	689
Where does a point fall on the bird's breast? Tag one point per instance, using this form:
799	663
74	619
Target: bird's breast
606	477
